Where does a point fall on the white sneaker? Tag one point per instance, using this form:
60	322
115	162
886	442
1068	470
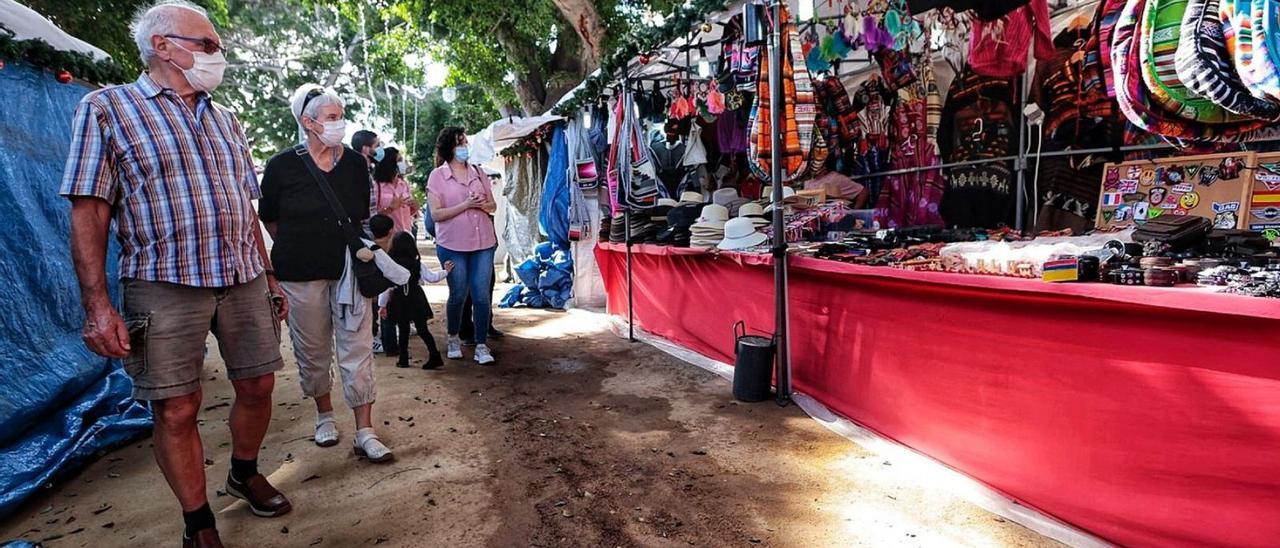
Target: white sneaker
483	355
369	446
454	352
326	431
377	346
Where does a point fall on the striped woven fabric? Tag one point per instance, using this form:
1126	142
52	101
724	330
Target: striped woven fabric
1136	104
1248	47
800	112
1158	47
1204	67
1108	16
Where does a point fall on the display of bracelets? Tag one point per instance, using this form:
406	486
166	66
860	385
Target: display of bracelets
1253	282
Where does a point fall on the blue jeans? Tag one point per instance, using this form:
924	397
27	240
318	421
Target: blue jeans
472	275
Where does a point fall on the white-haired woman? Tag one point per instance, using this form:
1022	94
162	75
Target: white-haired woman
327	313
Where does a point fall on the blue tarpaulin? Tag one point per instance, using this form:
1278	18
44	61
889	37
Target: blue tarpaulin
553	209
546	279
60	405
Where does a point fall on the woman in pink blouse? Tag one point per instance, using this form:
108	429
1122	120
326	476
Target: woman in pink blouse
394	199
461	201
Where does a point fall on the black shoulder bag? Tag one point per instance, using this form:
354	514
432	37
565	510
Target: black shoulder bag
369	278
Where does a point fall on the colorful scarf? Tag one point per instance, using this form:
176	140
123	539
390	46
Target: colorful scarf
1203	64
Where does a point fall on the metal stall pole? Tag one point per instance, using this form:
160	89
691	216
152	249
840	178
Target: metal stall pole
1020	163
779	231
625	178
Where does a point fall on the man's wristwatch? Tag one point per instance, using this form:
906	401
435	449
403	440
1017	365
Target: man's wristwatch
269	272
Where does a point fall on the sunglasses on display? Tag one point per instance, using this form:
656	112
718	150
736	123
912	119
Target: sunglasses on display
207	45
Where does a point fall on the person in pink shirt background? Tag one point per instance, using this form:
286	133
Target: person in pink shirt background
394	198
461	201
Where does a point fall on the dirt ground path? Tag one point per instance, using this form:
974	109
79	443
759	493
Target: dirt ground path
576	438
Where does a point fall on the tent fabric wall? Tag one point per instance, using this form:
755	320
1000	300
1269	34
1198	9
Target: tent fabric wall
60	404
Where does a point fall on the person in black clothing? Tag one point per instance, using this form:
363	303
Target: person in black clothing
328	315
407	304
383	230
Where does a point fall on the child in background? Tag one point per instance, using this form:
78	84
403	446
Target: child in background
383	229
407	304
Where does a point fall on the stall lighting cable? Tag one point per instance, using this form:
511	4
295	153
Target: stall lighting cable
1034	200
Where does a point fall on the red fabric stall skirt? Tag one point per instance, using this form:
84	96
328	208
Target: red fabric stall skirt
1142	415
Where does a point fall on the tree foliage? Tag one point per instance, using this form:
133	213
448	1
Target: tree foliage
533	51
369	52
105	23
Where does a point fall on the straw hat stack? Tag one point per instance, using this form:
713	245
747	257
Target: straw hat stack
708	232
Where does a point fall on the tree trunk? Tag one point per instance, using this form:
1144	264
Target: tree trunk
586	22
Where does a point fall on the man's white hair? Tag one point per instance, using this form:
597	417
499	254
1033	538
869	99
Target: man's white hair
299	97
158	19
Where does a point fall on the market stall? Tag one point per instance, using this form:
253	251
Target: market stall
942	214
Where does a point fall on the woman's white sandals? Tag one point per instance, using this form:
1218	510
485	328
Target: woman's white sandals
369	446
326	430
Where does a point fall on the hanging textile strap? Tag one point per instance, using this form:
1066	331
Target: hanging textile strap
799	110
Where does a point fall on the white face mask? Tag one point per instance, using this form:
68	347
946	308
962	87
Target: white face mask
403	166
333	133
206	74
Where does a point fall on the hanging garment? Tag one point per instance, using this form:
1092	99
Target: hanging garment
1136	105
667	160
913	199
1079	115
910	199
873	103
999	48
733	131
838	122
742	61
633	180
583	171
695	153
1203	64
1108	16
1160	30
1249	47
951	32
979	122
800	112
715	101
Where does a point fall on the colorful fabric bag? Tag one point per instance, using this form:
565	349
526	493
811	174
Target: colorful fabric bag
799	112
1158	46
1108	16
1248	47
1204	66
1136	104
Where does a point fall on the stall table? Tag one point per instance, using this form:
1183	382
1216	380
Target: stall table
1145	416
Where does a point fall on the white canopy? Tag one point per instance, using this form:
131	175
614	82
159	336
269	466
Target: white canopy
26	24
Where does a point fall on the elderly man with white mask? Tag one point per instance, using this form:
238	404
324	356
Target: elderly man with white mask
328	315
172	169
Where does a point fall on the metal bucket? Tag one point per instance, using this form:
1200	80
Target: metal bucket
752	365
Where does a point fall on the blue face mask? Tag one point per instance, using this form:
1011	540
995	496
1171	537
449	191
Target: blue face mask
379	153
462	154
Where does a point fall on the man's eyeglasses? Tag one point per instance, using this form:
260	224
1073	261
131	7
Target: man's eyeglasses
207	45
